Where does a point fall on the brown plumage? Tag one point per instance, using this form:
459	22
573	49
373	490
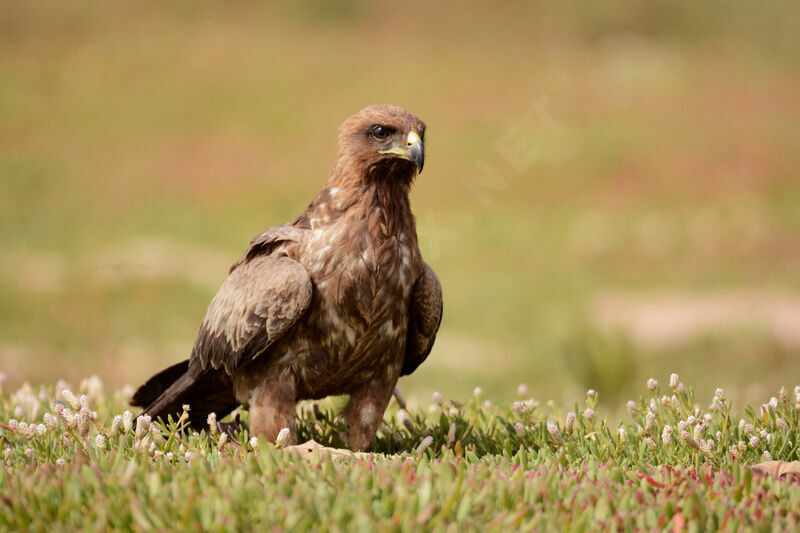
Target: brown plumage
337	302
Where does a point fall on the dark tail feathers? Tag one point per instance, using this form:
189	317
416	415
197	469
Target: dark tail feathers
168	391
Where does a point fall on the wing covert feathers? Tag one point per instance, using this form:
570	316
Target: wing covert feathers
261	299
424	317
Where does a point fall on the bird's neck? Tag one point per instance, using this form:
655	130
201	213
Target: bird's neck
378	191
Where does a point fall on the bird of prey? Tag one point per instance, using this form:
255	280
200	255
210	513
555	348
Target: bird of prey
337	302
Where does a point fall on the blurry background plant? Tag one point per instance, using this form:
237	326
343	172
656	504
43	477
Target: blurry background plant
631	168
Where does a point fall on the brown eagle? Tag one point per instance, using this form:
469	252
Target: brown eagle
337	302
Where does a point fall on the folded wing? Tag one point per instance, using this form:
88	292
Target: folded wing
424	317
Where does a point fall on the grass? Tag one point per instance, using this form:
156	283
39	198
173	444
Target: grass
77	461
142	147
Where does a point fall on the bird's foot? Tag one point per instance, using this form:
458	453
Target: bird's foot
309	448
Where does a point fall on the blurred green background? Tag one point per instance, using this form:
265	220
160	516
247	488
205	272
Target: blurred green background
611	189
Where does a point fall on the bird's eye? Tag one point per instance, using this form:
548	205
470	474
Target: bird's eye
380	133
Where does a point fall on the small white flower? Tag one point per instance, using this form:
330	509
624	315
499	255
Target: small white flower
741	424
188	456
27	431
253	442
70	398
720	393
50	421
569	423
84	401
749	429
127	421
284	436
424	445
754	442
764	435
591	393
650	443
674	380
116	424
437	398
706	446
522	390
666	435
29	453
652	384
631	405
773	402
782	425
451	433
766	456
100	441
520	408
453	411
555	434
169	456
84	419
13	424
588	414
223	439
41	429
70	419
487	405
623	435
142	425
477	391
211	420
650	421
61	463
519	429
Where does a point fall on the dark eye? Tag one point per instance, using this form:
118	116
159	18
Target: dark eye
380	133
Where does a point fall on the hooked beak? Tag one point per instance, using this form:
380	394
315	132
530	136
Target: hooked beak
412	151
415	151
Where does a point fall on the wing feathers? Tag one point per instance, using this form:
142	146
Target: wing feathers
260	300
425	315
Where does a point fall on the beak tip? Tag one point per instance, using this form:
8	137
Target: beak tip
416	154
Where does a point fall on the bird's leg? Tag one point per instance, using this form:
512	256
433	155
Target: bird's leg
365	409
272	407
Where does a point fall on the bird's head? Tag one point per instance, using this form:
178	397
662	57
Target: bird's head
383	141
